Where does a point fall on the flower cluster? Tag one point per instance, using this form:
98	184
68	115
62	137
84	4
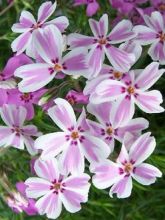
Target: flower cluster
91	117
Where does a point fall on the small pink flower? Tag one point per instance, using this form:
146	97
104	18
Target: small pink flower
54	189
26	100
92	6
74	141
49	44
74	97
133	89
153	34
102	43
19	203
108	129
7	80
28	26
129	165
16	134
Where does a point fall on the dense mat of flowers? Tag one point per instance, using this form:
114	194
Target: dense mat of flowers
96	118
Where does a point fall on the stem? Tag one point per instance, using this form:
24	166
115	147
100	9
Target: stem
7	8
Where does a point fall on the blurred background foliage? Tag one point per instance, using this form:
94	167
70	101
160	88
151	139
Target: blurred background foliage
145	203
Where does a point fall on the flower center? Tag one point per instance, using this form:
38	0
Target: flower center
57	67
162	7
57	186
162	37
26	97
128	167
131	90
117	74
17	130
36	26
71	100
102	41
109	130
75	135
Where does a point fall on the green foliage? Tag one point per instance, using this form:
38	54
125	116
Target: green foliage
145	203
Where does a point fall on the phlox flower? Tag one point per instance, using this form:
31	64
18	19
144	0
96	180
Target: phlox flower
74	142
19	203
15	133
133	89
7	80
108	129
92	6
126	6
27	100
28	25
129	164
55	190
74	97
153	34
49	44
158	5
102	43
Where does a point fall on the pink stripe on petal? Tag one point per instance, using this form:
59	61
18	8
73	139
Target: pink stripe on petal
103	25
123	188
47	169
45	11
146	174
121	32
49	44
120	60
75	63
94	25
35	76
157	52
106	174
61	23
21	43
72	160
142	148
122	111
62	114
95	60
150	101
27	19
79	40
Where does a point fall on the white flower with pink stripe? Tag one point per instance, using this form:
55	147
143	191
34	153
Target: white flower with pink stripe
54	189
49	44
74	142
153	34
108	129
102	43
16	134
129	165
133	89
28	25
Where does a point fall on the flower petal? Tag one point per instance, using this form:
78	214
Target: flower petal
37	187
45	11
150	101
94	149
95	60
75	62
122	188
157	52
122	111
62	114
120	59
106	174
49	43
155	21
100	28
121	32
145	35
107	90
72	160
50	204
79	40
61	23
149	76
27	19
146	174
142	148
35	76
21	43
51	144
47	169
